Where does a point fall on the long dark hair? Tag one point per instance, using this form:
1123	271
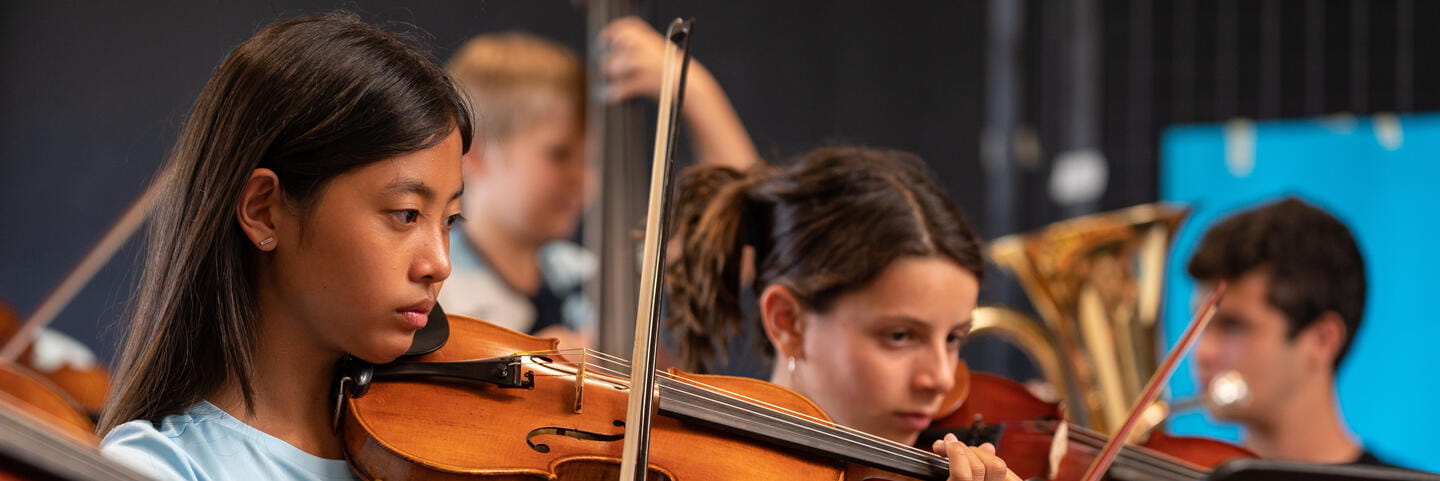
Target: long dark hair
825	226
309	98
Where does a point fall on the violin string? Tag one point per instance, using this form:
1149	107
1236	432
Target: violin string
676	390
811	428
1094	440
907	452
1089	437
846	429
1138	461
846	443
894	448
624	365
811	424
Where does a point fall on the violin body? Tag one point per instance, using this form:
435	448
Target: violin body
1027	427
46	397
568	425
35	395
87	387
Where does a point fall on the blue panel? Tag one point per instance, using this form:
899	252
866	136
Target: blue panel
1377	179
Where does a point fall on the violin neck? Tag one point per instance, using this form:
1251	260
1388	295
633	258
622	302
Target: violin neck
686	402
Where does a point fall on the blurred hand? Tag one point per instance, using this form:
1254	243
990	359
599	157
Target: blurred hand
968	463
633	57
634	54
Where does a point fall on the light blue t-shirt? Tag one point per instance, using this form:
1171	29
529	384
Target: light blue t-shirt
205	443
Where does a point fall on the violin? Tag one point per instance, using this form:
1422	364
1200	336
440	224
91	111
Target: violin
492	403
31	393
1027	430
45	432
48	396
1037	442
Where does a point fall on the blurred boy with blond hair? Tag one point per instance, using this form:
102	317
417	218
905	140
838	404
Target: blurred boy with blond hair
527	180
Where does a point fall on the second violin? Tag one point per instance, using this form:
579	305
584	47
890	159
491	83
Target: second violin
1026	431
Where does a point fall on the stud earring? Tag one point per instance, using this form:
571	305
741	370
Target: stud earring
267	241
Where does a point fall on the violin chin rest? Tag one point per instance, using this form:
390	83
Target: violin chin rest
429	338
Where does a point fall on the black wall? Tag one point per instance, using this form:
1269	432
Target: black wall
92	95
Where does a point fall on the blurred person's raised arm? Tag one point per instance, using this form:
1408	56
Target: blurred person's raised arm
634	56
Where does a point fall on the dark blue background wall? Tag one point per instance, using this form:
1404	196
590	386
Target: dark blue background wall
92	95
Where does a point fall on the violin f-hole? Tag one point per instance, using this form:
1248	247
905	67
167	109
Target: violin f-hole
570	433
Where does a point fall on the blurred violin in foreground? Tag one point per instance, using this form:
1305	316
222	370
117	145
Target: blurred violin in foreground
1036	441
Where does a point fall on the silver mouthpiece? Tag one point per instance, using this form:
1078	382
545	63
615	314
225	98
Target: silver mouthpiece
1228	389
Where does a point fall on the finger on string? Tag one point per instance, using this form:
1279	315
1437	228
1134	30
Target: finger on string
964	465
1001	466
995	467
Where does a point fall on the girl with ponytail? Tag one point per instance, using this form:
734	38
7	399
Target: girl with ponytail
864	276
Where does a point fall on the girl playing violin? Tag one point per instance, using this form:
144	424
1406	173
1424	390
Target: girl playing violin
307	215
863	275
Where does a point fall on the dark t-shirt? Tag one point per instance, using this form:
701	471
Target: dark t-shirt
1368	459
549	307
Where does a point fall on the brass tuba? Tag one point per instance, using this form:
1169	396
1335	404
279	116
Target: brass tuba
1096	283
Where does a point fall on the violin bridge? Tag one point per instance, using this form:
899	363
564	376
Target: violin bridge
580	380
1058	447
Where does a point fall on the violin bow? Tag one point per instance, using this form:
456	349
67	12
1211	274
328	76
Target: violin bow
635	456
1152	389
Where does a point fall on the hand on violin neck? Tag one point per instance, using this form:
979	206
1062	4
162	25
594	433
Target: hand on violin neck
973	463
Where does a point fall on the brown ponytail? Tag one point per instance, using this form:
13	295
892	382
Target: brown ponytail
825	226
703	279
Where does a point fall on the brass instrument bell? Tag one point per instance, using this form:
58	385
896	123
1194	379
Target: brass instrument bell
1096	283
